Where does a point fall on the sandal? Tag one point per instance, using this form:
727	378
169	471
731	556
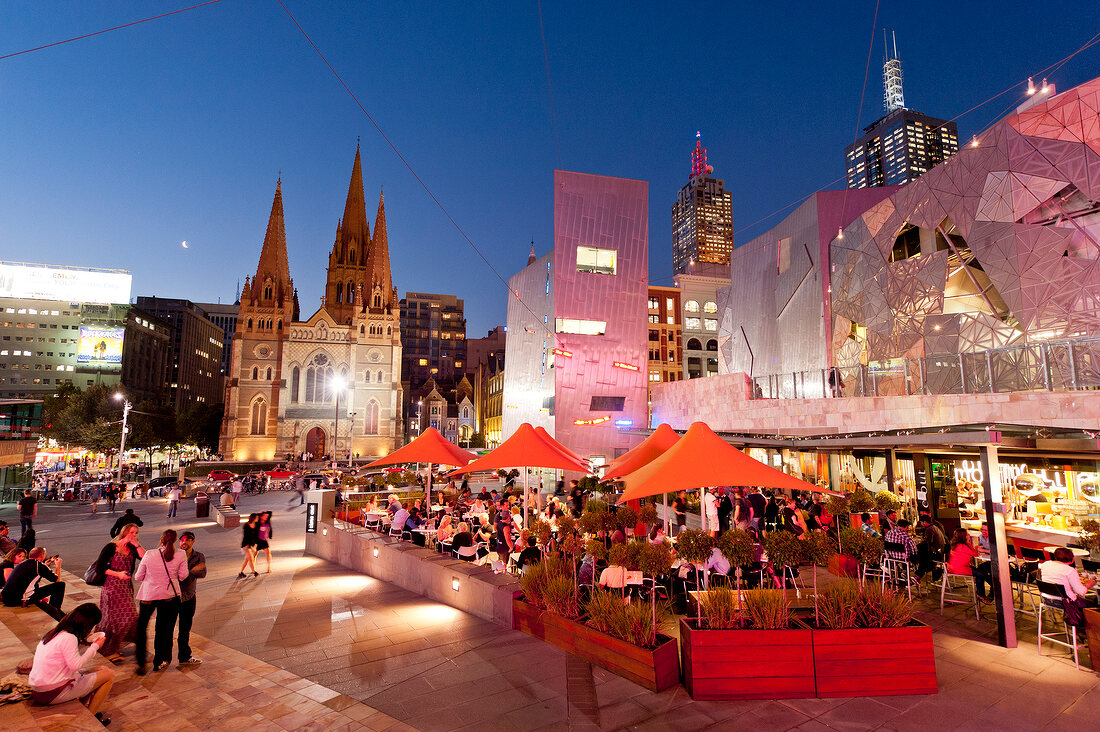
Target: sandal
103	719
116	659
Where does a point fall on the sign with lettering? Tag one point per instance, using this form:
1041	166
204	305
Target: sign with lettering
311	518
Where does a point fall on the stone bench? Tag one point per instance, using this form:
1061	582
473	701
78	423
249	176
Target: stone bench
227	517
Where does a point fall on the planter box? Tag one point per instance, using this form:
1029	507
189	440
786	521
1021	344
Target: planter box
654	668
874	661
747	664
843	565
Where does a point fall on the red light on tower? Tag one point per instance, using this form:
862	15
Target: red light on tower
699	158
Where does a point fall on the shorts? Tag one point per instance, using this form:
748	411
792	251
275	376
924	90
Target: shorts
248	550
81	687
261	545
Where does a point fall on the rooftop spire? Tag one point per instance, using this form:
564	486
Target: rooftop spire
893	97
699	166
353	227
273	264
380	255
531	257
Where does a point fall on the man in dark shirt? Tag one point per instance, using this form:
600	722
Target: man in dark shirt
127	518
576	497
680	507
725	508
759	506
22	587
6	543
196	568
930	548
28	511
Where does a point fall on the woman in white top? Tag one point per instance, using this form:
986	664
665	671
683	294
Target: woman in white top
56	676
160	573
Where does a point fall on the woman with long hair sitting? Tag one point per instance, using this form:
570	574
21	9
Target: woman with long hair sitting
57	675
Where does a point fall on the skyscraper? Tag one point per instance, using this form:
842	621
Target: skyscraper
702	217
901	146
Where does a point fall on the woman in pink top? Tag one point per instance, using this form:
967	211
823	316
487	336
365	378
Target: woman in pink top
961	562
160	573
56	676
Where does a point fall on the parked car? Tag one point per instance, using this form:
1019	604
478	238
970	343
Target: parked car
221	475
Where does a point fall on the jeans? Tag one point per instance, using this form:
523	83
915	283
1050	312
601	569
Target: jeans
25	525
172	508
187	614
166	611
983	574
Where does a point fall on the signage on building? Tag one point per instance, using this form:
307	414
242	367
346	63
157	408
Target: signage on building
17	452
100	345
311	518
69	285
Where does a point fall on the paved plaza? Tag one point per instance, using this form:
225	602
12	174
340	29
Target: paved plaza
314	646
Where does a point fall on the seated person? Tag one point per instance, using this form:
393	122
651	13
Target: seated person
446	530
1059	569
22	588
400	517
614	576
530	553
6	542
227	498
983	539
56	676
12	558
394	504
587	571
657	534
900	535
961	559
717	563
931	547
866	525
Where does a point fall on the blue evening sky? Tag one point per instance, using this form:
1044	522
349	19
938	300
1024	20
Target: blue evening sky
116	148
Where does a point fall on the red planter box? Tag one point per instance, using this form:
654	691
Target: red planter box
654	668
874	661
747	664
843	565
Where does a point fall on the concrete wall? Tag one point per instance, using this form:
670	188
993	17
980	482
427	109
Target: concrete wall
723	403
425	572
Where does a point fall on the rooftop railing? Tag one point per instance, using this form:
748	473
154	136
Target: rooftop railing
1045	366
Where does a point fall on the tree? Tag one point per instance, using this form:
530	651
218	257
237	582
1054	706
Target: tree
476	441
200	424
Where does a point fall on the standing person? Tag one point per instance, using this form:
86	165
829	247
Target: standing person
576	498
710	509
742	511
160	573
127	518
196	570
249	539
173	500
680	508
56	676
725	510
97	492
112	496
22	587
264	532
300	489
117	562
759	506
28	512
237	488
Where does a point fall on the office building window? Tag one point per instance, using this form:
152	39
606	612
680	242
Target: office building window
597	261
580	327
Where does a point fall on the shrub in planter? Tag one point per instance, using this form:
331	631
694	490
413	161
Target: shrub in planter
632	622
886	501
817	549
720	609
559	595
784	550
626	518
861	501
737	547
694	546
868	644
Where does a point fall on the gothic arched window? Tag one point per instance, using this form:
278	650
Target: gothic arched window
259	417
295	376
366	377
371	425
362	329
268	376
379	377
377	300
339	292
351	293
255	373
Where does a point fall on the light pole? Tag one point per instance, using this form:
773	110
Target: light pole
338	385
351	430
126	407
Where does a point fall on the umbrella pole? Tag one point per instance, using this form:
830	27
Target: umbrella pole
525	506
428	495
668	529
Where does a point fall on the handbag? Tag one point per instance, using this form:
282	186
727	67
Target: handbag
168	574
92	575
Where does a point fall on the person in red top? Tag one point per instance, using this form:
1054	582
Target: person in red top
960	562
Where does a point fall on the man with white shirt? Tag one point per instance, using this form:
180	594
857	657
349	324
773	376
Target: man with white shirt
1059	570
173	500
710	511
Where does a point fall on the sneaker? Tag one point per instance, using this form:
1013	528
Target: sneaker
103	719
191	662
240	575
158	667
255	574
140	671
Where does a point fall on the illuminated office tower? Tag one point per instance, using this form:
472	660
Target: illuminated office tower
901	146
702	217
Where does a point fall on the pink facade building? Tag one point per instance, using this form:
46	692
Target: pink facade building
577	320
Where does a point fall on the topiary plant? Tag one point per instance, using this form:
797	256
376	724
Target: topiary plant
1089	538
784	550
594	517
861	501
817	548
542	531
738	548
886	501
694	547
625	518
648	515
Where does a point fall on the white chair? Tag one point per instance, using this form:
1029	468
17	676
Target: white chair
1053	597
959	589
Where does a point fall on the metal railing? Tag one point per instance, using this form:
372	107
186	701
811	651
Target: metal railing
1054	366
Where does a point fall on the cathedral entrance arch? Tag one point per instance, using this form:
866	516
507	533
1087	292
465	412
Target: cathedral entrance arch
315	442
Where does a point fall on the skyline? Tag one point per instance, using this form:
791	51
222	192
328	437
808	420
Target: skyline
131	142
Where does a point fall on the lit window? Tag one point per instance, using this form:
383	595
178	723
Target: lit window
423	362
654	318
598	261
710	324
580	327
668	303
710	307
653	304
693	324
691	306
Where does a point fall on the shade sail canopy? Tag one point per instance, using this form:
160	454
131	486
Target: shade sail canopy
651	448
524	449
547	438
702	458
428	447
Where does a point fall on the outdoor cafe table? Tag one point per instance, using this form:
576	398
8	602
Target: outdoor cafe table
1077	553
429	535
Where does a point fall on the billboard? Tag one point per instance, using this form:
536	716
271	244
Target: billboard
37	282
100	345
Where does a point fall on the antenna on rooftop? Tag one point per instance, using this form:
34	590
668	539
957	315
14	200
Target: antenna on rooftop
893	97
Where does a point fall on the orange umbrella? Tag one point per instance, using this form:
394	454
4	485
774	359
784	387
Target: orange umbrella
541	432
657	444
526	449
429	447
702	458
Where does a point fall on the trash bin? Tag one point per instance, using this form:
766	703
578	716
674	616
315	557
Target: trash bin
202	505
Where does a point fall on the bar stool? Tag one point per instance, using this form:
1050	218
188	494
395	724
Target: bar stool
1023	577
951	591
897	570
1053	597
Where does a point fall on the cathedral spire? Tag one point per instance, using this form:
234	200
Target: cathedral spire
354	231
274	266
379	262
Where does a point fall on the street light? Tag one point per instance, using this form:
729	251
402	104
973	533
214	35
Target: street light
126	407
350	431
338	384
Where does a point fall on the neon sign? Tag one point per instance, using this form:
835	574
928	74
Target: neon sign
624	423
563	353
627	366
597	420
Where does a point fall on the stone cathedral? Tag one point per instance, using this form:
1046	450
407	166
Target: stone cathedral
329	384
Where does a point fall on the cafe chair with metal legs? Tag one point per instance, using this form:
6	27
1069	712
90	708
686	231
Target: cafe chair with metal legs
1053	598
1033	555
959	589
897	570
876	570
1023	577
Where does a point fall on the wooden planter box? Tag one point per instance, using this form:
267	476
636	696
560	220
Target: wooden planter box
874	661
843	565
747	664
654	668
